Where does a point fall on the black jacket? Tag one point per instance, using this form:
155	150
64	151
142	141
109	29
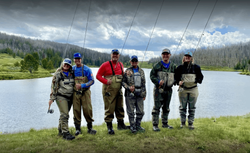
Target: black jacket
192	69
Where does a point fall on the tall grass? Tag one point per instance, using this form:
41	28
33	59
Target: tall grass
223	134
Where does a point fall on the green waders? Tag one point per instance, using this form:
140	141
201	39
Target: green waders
82	98
114	102
64	107
161	100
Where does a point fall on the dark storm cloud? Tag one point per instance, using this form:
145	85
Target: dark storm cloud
110	21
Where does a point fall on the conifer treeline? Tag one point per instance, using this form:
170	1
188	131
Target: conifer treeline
51	51
235	56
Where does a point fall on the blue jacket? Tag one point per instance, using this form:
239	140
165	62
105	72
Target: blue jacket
86	72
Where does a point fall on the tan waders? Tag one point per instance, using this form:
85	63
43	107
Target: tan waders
113	102
188	94
188	97
63	105
82	99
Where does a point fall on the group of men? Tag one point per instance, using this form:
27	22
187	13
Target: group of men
111	74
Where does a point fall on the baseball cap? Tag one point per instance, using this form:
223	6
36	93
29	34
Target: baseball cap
134	58
166	51
77	55
115	51
188	54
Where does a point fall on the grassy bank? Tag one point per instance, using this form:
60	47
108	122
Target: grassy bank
245	73
223	134
10	72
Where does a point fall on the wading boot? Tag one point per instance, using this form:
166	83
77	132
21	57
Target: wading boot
155	128
190	126
78	130
90	130
139	128
68	136
121	125
165	125
133	128
183	124
60	133
110	128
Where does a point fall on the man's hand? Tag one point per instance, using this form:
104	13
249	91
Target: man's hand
78	86
109	81
132	88
161	83
180	83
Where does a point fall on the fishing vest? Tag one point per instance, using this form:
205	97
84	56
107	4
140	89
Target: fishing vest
137	81
66	85
189	80
80	80
168	77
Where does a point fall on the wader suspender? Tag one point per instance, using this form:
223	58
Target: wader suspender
113	69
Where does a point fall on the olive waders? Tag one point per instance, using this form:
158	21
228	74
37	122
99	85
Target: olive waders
162	98
113	103
82	98
188	95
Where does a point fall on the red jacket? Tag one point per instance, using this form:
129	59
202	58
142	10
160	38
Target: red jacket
106	70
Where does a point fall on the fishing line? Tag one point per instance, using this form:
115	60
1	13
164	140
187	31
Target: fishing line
70	30
129	29
153	30
188	24
131	26
86	25
206	25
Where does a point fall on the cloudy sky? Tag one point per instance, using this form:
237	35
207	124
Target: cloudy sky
109	23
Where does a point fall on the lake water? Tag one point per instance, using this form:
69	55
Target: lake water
24	103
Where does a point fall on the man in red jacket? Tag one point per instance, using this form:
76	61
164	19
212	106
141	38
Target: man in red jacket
110	74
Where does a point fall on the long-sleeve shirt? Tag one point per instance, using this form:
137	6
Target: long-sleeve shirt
106	70
194	69
86	72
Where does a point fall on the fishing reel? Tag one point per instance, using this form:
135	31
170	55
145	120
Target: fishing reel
107	94
161	90
131	94
51	111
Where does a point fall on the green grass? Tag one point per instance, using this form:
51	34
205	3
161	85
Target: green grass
245	73
223	134
9	72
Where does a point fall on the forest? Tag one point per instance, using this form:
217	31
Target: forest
49	54
235	56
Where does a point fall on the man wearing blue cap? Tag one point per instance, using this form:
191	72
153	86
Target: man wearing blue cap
81	97
135	93
162	75
187	76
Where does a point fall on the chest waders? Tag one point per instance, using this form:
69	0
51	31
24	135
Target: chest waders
134	103
188	97
82	99
114	101
63	100
162	98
